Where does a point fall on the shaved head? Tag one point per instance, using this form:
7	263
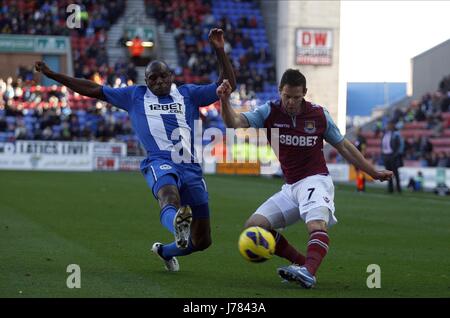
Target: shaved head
158	78
156	65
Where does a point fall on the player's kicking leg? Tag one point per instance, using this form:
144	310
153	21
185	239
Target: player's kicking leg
164	185
199	240
319	216
316	250
283	248
185	214
278	212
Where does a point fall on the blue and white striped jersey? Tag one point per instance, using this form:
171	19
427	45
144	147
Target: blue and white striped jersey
154	118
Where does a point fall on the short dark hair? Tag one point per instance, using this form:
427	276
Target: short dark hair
293	77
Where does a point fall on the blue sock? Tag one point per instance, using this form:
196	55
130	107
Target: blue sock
171	250
167	216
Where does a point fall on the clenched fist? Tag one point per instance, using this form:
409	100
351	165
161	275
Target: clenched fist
216	39
383	175
42	68
224	90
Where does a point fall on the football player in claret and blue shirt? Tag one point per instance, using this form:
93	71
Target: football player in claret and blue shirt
158	111
308	194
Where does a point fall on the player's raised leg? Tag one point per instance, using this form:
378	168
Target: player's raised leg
195	195
200	227
169	201
182	226
177	219
282	248
164	184
200	238
278	212
163	178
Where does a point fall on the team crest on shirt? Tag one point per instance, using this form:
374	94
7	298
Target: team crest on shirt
310	126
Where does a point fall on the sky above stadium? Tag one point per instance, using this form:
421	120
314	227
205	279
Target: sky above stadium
379	38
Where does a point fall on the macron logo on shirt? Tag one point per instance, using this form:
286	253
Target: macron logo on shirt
281	125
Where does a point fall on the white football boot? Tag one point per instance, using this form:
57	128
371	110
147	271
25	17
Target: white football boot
170	264
298	274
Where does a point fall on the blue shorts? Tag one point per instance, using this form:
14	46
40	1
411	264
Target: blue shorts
188	178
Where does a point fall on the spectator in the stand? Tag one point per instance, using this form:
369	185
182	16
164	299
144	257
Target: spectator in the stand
190	21
378	128
242	22
444	85
445	104
47	133
65	131
25	73
123	39
20	131
409	114
423	161
136	50
425	146
49	18
252	23
420	115
442	160
431	159
132	73
360	144
391	144
437	125
416	184
3	124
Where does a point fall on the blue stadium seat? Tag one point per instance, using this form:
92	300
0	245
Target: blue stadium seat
29	120
57	128
10	119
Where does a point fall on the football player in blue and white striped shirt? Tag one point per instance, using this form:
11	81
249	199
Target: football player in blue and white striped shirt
159	111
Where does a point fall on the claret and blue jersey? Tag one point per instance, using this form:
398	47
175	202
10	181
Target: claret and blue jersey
300	137
154	120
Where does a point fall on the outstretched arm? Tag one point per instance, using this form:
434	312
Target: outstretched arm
81	86
352	155
230	117
225	68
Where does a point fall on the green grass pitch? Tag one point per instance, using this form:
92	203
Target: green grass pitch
106	223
